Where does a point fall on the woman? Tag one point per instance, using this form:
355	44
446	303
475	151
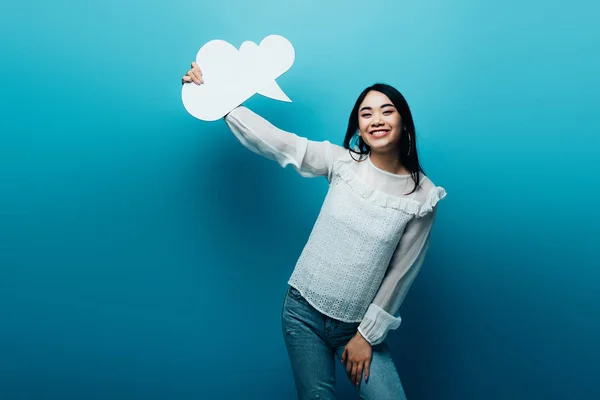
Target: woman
366	247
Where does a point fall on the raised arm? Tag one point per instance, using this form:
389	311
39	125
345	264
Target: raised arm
309	158
383	312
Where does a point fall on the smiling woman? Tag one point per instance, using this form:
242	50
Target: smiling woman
379	120
366	247
382	122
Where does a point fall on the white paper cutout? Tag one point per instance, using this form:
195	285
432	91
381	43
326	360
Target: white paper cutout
232	76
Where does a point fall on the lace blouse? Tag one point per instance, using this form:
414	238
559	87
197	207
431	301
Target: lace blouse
370	238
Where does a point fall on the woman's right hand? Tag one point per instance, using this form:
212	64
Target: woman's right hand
193	75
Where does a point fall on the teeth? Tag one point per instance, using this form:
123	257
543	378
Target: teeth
378	133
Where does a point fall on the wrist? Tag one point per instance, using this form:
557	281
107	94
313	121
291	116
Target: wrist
359	335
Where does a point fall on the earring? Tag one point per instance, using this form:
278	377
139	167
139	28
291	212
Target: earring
409	145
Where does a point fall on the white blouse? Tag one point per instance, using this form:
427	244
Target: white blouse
370	237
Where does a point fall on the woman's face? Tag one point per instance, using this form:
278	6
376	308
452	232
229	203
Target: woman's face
379	123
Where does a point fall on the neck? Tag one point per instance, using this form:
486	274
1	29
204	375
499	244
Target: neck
388	162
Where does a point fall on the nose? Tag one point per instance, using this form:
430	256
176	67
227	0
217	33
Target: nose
377	120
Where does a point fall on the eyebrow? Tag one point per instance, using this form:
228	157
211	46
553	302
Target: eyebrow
369	108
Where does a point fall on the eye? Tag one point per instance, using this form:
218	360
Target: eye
366	115
388	112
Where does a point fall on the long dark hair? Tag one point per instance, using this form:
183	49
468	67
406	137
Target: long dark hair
408	139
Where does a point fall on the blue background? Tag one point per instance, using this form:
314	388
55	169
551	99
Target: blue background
144	254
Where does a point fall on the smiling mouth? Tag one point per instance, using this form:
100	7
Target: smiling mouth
379	132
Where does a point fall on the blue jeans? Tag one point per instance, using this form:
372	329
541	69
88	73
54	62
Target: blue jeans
314	340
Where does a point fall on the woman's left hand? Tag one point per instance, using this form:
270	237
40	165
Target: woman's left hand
357	358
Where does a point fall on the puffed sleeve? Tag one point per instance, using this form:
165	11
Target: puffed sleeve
309	158
383	312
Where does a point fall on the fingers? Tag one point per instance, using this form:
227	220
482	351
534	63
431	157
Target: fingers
198	75
193	75
354	373
349	364
189	78
197	72
359	373
355	369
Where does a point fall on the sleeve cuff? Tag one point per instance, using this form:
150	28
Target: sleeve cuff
376	324
232	111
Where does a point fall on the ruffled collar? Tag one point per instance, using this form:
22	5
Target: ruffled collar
379	170
380	198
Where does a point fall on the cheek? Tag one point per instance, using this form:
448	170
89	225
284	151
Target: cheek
395	122
362	125
396	129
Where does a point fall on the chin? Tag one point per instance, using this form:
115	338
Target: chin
389	148
381	146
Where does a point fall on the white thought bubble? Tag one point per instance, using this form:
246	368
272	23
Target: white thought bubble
232	76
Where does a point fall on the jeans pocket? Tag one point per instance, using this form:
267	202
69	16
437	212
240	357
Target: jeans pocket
294	293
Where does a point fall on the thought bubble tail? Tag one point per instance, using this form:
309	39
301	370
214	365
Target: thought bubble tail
273	91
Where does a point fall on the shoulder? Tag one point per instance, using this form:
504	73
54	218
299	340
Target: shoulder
428	194
339	153
425	186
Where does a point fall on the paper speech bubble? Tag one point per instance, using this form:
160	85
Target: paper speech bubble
232	76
